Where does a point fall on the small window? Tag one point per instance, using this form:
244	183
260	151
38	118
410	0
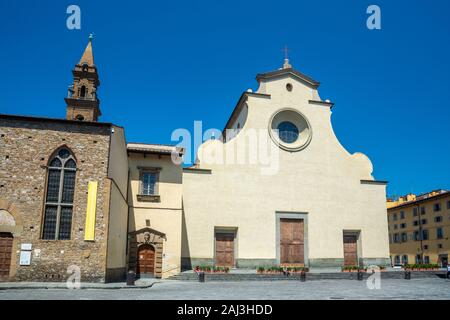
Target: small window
439	233
437	207
418	259
79	117
414	212
424	234
402	214
440	246
289	87
148	183
395	217
424	221
416	223
422	210
438	219
396	238
403	226
425	247
404	237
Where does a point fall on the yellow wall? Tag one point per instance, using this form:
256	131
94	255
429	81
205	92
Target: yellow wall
117	237
411	247
118	208
164	216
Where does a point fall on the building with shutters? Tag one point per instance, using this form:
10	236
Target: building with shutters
419	228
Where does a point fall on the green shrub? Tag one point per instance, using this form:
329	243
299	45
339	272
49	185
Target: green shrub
350	268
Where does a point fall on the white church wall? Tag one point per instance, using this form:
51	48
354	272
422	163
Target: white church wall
322	180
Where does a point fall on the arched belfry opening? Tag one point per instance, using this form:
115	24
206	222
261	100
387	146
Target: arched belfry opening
83	92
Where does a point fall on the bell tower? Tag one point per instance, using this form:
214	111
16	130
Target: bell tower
82	101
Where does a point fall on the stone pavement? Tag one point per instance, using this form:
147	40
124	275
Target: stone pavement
425	288
139	284
313	275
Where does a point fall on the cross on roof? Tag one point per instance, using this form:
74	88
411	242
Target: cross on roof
286	64
286	52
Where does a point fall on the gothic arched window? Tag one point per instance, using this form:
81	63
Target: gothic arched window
59	198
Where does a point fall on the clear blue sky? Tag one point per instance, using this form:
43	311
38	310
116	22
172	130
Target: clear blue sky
391	87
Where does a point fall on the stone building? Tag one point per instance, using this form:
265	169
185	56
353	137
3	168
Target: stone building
49	168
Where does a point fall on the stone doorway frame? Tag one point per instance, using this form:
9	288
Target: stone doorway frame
357	234
230	231
16	232
294	216
141	237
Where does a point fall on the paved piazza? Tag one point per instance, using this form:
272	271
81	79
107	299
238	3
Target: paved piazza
326	289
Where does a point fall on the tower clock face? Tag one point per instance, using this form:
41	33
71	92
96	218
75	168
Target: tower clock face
290	130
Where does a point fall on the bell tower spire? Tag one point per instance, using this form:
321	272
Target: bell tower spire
82	101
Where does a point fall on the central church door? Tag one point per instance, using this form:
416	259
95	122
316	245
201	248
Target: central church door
224	250
292	247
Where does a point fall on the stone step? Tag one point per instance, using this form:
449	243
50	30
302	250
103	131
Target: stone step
309	276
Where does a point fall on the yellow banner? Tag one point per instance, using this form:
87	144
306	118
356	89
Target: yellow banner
89	231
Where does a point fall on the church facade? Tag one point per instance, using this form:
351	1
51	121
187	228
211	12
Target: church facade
76	197
319	207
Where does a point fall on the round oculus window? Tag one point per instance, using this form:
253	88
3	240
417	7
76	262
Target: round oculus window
287	132
289	87
290	130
